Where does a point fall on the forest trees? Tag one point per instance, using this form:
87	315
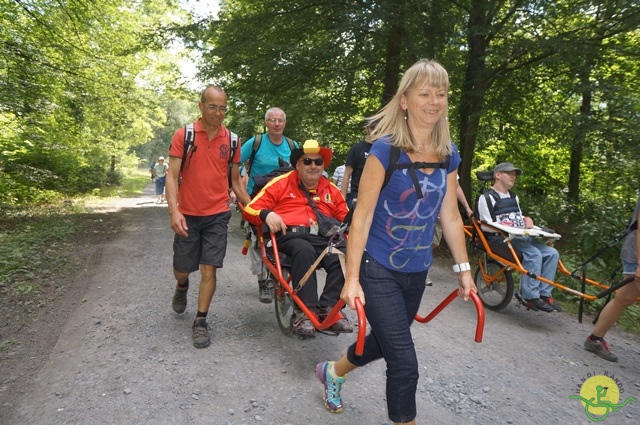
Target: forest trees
550	85
81	83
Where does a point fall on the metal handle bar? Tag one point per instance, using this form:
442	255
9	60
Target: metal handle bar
615	287
362	327
479	309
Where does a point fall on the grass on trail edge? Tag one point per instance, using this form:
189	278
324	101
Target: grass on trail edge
40	246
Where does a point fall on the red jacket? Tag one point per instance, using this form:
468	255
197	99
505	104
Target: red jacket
283	196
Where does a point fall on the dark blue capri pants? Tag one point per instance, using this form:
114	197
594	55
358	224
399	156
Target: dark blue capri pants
392	301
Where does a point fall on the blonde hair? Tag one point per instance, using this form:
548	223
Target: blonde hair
391	116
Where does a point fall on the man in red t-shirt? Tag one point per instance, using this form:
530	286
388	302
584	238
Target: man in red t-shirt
199	210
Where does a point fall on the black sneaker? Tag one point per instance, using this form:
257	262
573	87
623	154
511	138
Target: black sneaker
179	302
551	302
264	288
200	330
538	304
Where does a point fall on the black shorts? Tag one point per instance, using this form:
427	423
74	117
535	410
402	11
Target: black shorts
206	243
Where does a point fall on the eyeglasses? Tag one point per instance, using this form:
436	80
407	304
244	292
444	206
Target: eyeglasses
309	161
214	108
276	120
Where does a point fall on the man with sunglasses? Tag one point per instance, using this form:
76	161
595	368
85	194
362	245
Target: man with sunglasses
283	205
272	148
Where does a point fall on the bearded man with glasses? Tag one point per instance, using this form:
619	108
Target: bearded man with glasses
284	207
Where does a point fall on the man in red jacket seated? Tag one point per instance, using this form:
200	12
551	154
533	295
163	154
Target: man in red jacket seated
284	207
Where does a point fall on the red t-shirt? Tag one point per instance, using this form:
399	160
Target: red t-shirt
205	187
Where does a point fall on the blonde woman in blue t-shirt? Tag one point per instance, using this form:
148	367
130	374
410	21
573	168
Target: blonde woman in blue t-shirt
389	244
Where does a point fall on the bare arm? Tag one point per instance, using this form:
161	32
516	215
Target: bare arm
348	170
178	222
463	199
373	174
452	230
239	188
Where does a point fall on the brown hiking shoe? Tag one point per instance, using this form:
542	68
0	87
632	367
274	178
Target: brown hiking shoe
200	330
341	325
179	302
302	326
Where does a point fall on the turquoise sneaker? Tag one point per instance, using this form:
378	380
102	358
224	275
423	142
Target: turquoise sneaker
331	394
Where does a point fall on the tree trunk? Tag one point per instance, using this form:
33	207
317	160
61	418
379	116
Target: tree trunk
394	50
473	91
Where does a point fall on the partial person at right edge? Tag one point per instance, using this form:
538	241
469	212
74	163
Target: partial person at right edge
199	205
437	235
262	154
538	257
624	297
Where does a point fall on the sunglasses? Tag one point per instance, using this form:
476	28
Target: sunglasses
309	161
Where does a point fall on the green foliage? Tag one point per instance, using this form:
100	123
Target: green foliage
83	84
28	244
38	242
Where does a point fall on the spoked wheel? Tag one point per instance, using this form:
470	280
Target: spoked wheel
284	305
495	287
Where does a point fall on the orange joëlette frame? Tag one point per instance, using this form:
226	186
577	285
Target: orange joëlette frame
514	262
276	270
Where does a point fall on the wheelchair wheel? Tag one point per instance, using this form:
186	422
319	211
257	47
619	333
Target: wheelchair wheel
284	306
497	289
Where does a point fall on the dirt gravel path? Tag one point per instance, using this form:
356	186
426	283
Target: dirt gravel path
123	357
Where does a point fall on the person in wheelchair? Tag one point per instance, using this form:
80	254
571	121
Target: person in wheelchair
284	206
500	205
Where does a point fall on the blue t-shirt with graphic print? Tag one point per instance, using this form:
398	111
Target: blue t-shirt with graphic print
403	225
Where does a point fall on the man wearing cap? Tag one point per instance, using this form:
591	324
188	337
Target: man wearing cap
500	205
160	173
284	207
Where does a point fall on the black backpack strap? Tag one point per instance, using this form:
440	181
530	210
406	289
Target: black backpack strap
257	140
189	139
292	145
394	156
487	196
234	142
233	147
